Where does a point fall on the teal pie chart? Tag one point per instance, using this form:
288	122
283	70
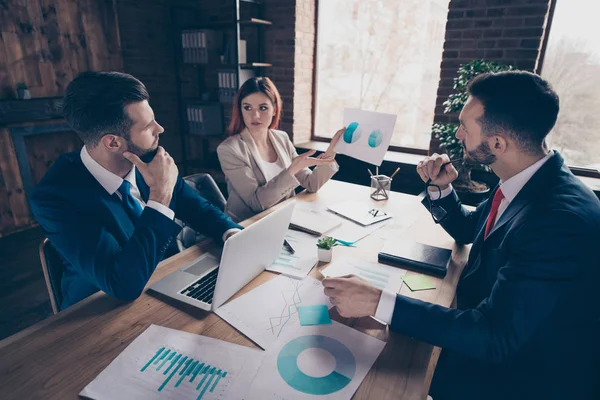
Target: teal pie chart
339	378
375	138
352	133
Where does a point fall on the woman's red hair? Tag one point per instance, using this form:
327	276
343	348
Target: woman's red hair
254	85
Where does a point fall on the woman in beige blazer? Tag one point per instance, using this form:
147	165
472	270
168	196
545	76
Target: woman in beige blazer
260	163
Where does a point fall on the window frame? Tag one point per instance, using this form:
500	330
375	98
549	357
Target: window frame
313	136
578	171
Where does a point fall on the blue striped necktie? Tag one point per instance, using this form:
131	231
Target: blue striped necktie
132	206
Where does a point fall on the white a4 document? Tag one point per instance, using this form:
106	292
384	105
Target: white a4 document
367	136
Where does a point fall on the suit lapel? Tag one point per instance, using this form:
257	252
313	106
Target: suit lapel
247	138
533	189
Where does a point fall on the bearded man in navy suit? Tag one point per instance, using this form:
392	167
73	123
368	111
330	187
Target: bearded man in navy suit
527	321
109	208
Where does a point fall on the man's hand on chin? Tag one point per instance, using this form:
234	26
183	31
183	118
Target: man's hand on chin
353	297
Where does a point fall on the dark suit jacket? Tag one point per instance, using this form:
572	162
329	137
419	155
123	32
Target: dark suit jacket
101	247
527	324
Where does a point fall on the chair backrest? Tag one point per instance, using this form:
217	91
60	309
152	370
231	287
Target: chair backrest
53	268
206	186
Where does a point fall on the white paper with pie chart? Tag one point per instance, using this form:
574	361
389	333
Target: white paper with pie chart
367	135
324	361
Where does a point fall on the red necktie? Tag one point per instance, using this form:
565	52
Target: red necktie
493	212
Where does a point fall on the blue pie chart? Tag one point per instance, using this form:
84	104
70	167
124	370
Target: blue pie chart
339	378
352	133
375	138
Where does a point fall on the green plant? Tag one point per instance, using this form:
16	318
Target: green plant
21	86
446	132
326	242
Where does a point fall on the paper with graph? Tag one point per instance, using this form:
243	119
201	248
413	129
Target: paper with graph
165	363
302	261
379	275
269	311
316	362
367	136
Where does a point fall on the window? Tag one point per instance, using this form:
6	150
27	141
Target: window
572	65
380	55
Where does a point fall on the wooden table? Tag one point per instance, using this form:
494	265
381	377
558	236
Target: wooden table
58	357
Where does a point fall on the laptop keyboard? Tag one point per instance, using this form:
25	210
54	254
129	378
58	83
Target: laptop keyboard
204	288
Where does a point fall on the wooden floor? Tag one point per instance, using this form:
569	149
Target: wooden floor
23	295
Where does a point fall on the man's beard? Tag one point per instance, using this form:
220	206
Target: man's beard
480	155
139	151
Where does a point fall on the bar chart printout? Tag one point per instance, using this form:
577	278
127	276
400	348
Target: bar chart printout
164	363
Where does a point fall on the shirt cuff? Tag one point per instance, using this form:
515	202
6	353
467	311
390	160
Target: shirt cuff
385	308
434	196
229	232
161	208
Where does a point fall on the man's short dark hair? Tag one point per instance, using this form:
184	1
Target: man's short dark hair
94	104
518	103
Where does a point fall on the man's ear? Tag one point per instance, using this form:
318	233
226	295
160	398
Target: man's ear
499	144
112	143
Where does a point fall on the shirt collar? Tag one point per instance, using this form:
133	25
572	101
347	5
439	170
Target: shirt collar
513	186
109	181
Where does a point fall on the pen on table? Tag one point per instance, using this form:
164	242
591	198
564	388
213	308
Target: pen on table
289	247
395	172
377	179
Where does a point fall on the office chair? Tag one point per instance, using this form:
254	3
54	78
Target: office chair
205	185
53	269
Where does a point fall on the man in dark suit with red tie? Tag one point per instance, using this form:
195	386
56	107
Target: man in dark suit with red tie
527	321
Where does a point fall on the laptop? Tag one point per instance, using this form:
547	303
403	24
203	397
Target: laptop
208	282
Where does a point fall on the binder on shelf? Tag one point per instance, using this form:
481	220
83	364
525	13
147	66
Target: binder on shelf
204	119
227	86
197	45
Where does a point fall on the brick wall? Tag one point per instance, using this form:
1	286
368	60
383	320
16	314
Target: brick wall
507	31
145	32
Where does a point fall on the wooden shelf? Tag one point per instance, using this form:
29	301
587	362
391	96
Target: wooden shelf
256	21
255	65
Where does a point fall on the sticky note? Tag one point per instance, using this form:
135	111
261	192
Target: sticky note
418	282
314	315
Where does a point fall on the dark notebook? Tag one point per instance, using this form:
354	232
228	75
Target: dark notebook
419	257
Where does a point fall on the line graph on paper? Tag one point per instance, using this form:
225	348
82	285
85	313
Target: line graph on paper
269	311
289	310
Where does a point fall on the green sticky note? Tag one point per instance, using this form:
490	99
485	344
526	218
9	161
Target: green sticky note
314	315
418	282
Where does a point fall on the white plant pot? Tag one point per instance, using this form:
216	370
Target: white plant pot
324	255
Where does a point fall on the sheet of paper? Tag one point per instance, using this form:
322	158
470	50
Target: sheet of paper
314	315
314	362
348	231
302	261
164	363
418	282
379	275
270	310
367	136
360	211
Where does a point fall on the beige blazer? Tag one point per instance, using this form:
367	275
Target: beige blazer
249	192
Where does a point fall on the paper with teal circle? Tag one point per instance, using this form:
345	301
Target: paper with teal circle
367	136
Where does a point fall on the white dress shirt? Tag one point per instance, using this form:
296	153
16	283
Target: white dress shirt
510	189
271	170
111	183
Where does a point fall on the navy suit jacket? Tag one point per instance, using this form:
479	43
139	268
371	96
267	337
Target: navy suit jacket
100	245
527	322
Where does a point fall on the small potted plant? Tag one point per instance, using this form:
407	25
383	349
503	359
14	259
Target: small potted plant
22	91
325	248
